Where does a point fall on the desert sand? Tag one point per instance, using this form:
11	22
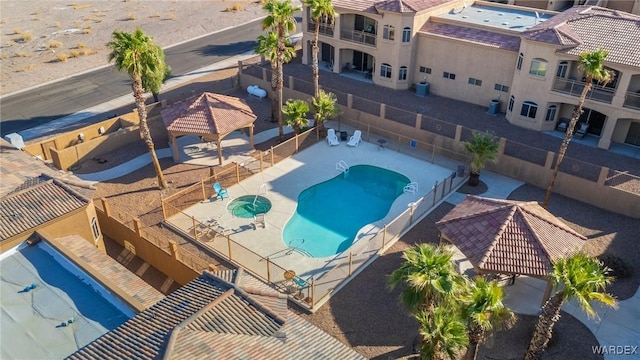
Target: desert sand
42	41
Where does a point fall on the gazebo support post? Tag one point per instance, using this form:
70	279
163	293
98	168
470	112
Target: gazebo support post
174	146
547	292
219	146
251	137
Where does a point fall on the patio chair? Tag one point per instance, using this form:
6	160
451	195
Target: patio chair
563	123
332	138
220	191
355	138
582	131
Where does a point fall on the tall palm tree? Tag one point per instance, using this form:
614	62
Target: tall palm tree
296	114
483	310
430	276
268	47
443	334
321	12
592	64
484	149
281	20
580	278
138	55
324	106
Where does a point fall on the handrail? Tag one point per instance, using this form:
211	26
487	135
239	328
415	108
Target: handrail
574	88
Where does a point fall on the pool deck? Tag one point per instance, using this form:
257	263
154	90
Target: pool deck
286	180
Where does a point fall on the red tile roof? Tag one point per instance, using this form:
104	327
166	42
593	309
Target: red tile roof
208	113
509	237
472	35
399	6
587	28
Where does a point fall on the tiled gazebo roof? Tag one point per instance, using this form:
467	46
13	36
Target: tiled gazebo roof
207	114
509	237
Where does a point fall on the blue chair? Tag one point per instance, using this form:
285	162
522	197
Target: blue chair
220	191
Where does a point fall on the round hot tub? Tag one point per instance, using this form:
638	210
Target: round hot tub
249	205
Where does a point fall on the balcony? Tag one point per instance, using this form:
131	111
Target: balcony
358	36
325	29
632	100
574	88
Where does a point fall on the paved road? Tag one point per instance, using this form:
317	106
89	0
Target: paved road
67	96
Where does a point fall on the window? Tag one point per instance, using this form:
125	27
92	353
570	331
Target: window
500	87
520	60
551	113
512	100
529	109
95	228
385	70
475	82
402	74
406	35
538	67
388	32
449	75
425	70
562	69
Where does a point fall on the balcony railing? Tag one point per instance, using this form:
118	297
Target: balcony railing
358	36
574	87
632	100
325	29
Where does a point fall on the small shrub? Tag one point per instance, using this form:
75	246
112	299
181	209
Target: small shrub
88	27
86	31
619	268
36	13
83	6
17	31
58	24
74	53
26	68
62	57
154	16
131	17
21	54
171	16
26	36
229	9
10	43
87	51
54	44
237	7
81	45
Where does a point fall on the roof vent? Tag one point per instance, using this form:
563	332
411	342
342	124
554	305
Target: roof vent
518	17
505	23
465	17
500	14
479	10
486	20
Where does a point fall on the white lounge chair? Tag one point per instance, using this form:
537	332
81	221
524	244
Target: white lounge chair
355	138
332	138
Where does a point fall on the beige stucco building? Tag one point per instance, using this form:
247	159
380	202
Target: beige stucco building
517	60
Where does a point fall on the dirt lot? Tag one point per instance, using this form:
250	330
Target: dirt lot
38	35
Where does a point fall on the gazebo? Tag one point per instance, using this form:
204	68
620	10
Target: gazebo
509	237
210	116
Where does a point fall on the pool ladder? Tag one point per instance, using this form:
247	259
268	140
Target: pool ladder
411	187
342	167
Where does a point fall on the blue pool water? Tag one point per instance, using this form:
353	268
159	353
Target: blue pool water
330	214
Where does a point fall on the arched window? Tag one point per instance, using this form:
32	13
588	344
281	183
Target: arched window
551	113
406	35
512	100
520	60
385	70
538	67
402	74
562	69
389	32
529	109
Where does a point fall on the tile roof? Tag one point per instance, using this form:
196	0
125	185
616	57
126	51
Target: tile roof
509	237
16	167
482	37
220	317
208	113
587	28
37	201
399	6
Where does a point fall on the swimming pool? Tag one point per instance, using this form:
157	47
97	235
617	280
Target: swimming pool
329	214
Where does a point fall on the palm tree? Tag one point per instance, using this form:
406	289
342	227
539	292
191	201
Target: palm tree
324	106
483	149
430	276
321	12
580	278
296	114
281	20
443	334
268	47
483	310
592	64
138	55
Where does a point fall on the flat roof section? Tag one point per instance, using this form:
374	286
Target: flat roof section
31	322
497	17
